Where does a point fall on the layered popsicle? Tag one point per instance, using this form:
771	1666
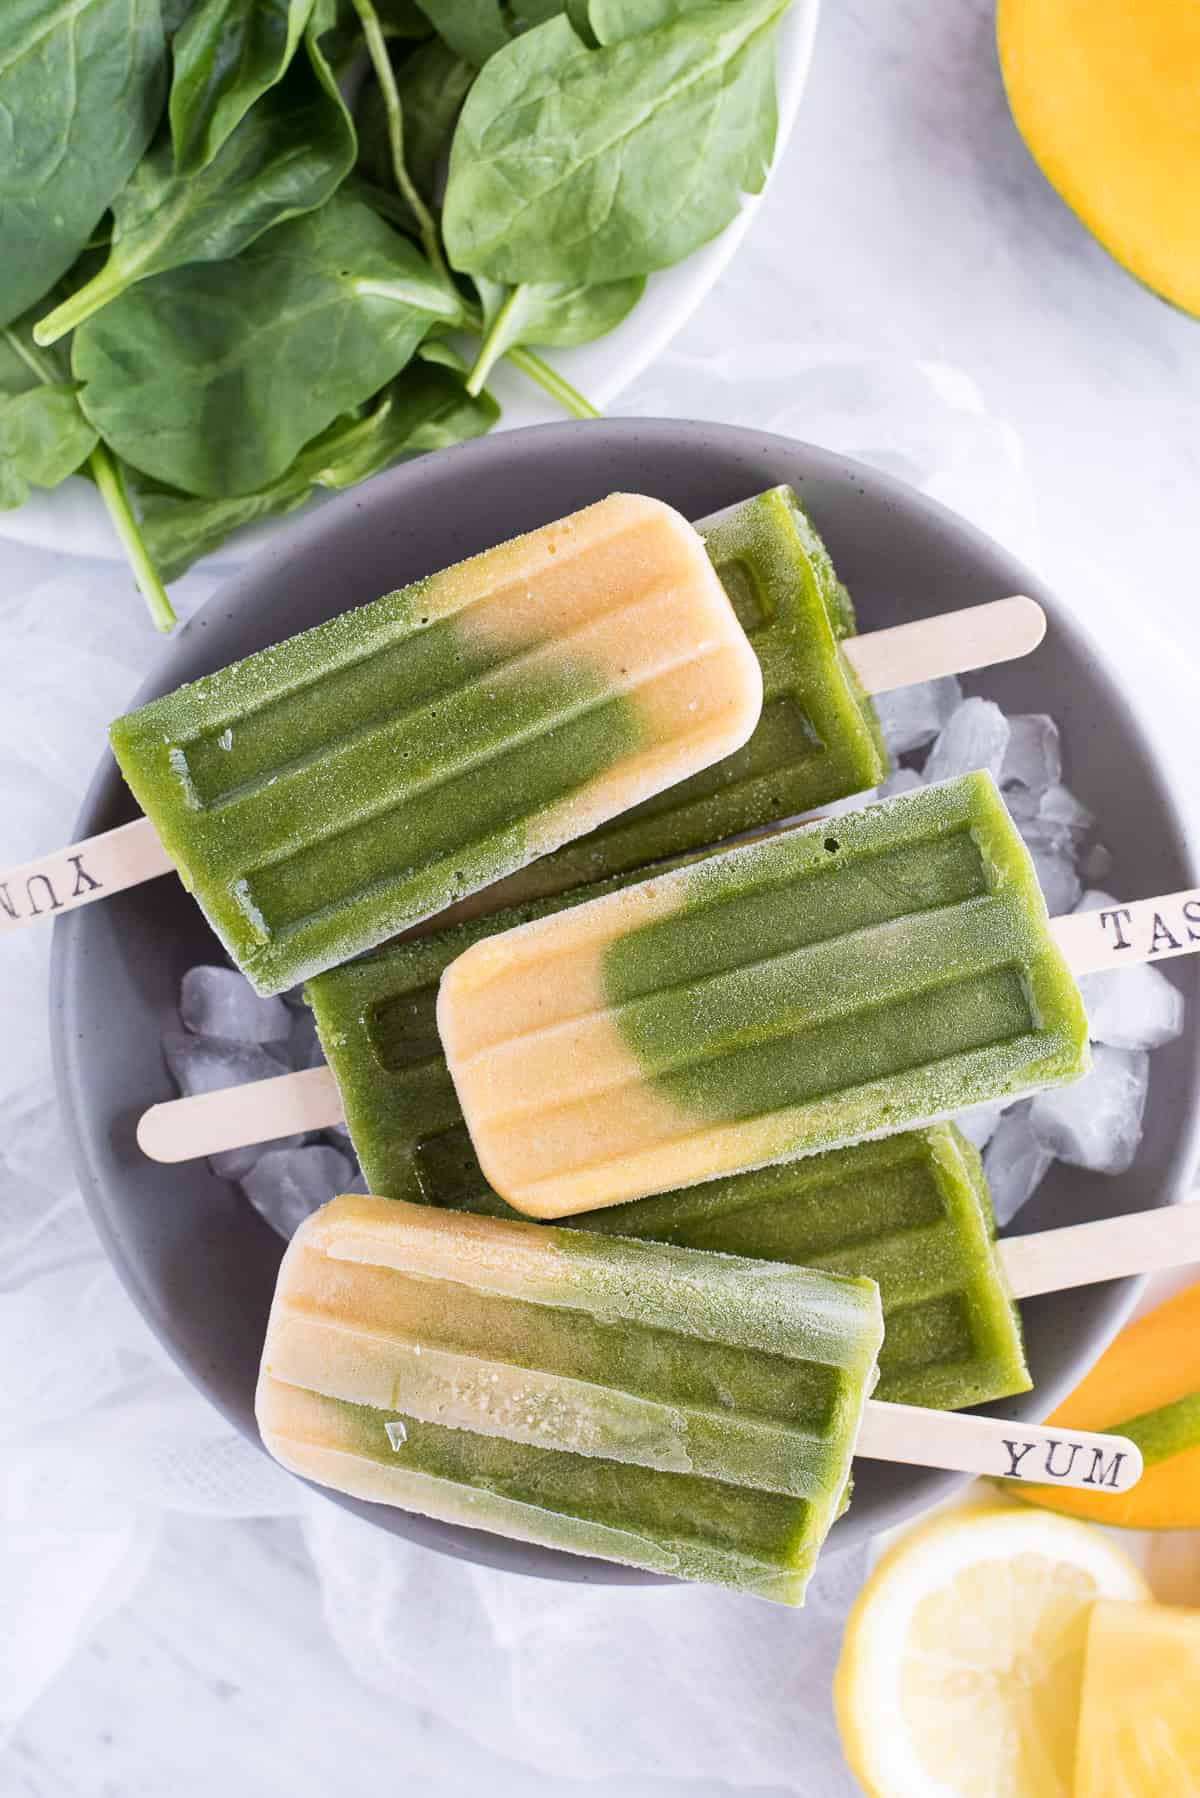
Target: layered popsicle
912	1211
831	984
687	1413
818	738
325	793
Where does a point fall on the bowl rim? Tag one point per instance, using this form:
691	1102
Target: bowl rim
291	547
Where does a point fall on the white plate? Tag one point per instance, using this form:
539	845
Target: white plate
73	518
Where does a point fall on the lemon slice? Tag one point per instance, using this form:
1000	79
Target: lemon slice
962	1666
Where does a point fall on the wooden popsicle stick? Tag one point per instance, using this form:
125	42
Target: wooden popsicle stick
81	873
1120	936
951	643
1143	1242
999	1448
235	1117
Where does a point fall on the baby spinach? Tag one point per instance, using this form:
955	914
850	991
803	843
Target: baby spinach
558	316
425	408
81	87
212	378
286	157
44	436
431	84
227	54
474	29
261	299
577	166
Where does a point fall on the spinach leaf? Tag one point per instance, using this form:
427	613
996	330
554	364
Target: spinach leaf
212	378
474	29
577	166
81	90
614	20
286	157
174	12
403	18
432	84
426	408
547	314
44	436
227	54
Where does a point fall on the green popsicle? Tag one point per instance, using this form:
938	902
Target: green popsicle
832	983
689	1413
325	793
911	1211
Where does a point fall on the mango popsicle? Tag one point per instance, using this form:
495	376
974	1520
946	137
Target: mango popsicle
912	1211
817	740
688	1413
834	983
321	795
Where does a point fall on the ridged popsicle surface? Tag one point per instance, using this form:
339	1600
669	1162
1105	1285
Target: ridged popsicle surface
818	739
323	794
910	1211
827	985
689	1413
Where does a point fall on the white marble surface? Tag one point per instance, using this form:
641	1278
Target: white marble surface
907	225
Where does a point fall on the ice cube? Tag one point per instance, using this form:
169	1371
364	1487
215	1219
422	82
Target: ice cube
1097	1122
1033	758
1014	1162
1057	878
910	717
900	780
235	1164
1095	899
976	736
1097	862
287	1185
1060	811
221	1002
1132	1008
979	1124
202	1064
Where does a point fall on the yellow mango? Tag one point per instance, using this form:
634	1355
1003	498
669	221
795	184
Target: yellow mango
1106	94
1154	1363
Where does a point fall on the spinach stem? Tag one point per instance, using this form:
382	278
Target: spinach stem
492	347
40	366
530	365
381	62
105	470
551	382
107	285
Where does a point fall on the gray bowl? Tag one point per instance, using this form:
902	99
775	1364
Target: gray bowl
199	1261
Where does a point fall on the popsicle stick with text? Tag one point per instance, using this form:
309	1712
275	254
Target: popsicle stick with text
1001	630
998	1447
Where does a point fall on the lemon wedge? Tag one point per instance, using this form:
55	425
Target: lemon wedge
1139	1726
962	1664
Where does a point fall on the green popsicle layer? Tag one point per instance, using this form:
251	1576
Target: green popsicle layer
911	1211
689	1413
